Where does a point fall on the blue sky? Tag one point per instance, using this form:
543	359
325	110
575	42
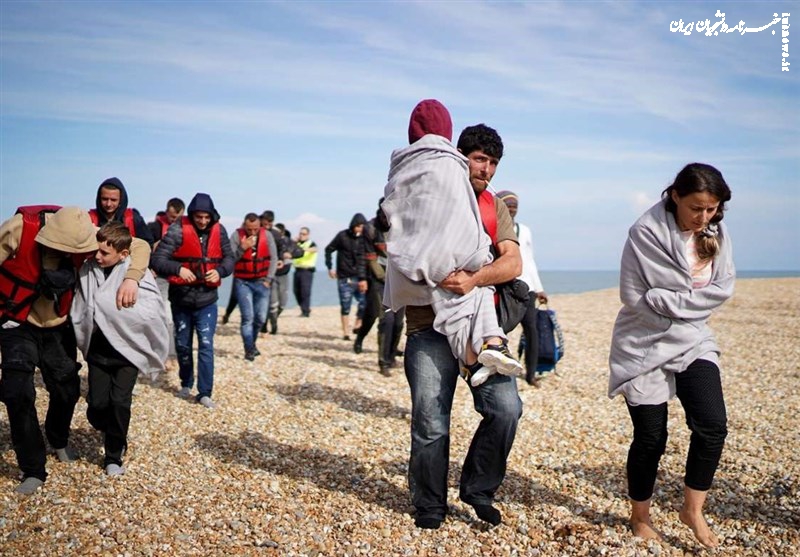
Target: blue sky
296	107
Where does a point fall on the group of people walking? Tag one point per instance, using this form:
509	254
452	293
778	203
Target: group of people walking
432	256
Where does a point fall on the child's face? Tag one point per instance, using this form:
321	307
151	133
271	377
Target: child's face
107	256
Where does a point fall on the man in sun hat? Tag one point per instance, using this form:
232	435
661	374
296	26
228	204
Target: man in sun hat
41	248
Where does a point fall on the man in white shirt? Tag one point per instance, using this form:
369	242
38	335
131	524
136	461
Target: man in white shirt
530	276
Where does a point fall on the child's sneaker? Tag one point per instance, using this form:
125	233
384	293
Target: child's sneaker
476	374
497	357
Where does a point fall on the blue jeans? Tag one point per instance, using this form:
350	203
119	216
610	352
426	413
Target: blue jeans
348	289
432	373
253	298
204	321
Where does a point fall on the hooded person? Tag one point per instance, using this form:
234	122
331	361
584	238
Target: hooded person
351	270
41	248
195	255
111	203
435	229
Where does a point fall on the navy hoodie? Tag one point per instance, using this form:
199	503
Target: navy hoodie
198	295
141	228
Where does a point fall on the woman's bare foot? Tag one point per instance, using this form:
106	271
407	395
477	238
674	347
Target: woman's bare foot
644	529
640	521
699	527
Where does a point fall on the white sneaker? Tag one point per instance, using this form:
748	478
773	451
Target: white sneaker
481	376
185	392
114	470
207	402
501	360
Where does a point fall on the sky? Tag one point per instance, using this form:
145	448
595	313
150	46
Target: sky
297	106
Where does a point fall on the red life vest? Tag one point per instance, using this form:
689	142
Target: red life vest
127	219
20	273
489	220
164	225
190	254
250	265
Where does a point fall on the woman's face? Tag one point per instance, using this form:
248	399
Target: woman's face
695	210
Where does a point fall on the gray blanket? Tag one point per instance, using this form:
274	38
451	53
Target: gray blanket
662	326
139	333
435	230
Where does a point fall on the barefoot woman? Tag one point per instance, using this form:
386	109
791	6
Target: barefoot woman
676	269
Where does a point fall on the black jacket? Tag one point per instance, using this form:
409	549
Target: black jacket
350	250
198	295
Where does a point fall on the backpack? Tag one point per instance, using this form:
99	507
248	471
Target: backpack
551	340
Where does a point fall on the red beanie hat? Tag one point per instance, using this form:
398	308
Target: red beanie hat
430	116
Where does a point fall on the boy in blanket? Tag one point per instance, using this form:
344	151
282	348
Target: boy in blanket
117	344
435	230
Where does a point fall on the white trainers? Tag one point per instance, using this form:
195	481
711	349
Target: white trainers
185	392
500	359
207	402
114	470
480	376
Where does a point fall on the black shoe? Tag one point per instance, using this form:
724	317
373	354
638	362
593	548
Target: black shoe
225	319
249	356
273	330
428	522
385	369
305	314
346	337
398	353
488	514
256	352
357	348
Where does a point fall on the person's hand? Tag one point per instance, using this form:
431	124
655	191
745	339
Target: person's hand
280	264
459	282
187	275
362	286
126	295
212	276
542	297
249	242
267	282
332	273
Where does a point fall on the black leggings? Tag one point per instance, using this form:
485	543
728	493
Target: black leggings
700	391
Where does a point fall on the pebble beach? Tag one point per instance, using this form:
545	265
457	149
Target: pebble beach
307	451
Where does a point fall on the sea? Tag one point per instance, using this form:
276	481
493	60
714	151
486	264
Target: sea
324	292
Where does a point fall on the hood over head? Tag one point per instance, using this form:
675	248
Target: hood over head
114	183
69	230
430	116
203	202
357	219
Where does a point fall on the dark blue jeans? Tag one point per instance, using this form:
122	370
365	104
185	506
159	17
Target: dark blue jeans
348	290
204	321
433	374
253	297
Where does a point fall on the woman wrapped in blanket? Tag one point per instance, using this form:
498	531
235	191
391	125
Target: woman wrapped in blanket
676	270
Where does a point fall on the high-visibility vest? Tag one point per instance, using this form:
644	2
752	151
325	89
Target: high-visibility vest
308	260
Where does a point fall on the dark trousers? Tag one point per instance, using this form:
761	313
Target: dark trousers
233	301
373	308
700	391
433	373
531	339
303	278
109	406
53	350
390	330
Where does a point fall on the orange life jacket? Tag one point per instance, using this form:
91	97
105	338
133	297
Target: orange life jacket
190	254
127	219
20	273
253	265
164	225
